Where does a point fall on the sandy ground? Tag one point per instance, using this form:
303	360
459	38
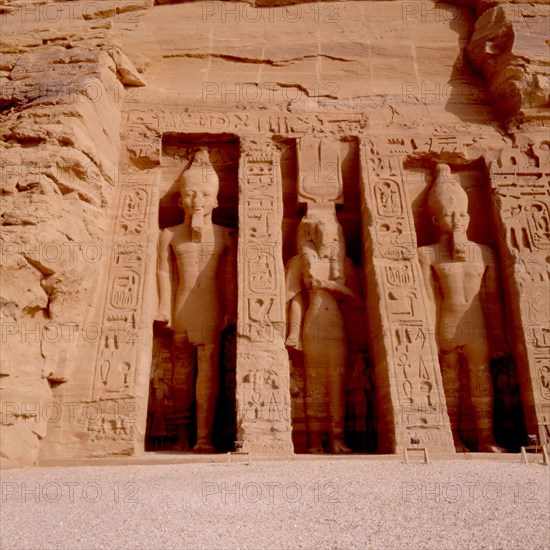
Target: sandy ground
328	503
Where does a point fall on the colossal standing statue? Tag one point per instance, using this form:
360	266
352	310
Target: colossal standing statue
462	283
317	278
192	298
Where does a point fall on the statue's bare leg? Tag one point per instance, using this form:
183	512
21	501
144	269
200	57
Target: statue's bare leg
183	382
207	395
449	362
481	389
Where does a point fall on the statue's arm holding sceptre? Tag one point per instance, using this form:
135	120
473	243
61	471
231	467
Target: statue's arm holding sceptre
164	278
426	255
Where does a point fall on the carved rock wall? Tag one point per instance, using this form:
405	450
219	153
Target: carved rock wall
61	95
89	93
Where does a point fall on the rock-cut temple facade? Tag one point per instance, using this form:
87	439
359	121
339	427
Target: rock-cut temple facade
301	227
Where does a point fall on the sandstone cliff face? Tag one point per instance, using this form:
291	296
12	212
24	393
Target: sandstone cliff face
61	91
509	48
71	73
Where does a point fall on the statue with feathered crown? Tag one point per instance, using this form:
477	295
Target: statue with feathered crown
318	278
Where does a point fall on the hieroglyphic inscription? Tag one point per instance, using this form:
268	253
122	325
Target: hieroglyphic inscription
263	402
116	356
392	238
290	124
522	184
408	350
143	145
388	201
263	395
261	308
262	377
414	361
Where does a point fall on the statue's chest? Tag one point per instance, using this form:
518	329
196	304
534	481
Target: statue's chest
463	273
190	255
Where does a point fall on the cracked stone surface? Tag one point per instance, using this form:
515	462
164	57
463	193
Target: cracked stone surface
102	100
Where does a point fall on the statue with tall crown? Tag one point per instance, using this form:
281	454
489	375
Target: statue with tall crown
462	283
194	264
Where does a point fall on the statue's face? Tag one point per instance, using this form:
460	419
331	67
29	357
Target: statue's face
452	218
324	235
198	197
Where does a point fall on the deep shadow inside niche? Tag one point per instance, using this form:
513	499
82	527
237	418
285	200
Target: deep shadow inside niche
166	420
509	423
360	415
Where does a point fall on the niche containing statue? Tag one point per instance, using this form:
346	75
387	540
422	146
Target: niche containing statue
192	388
332	386
455	228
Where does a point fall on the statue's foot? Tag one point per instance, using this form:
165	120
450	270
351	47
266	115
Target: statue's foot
338	447
204	447
182	444
491	447
460	447
315	445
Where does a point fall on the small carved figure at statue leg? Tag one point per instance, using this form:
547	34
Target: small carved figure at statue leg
337	445
335	384
481	388
313	408
183	359
315	441
450	365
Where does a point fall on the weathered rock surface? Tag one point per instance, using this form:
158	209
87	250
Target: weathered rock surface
60	97
101	103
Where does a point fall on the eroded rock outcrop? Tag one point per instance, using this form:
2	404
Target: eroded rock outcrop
102	105
509	47
60	95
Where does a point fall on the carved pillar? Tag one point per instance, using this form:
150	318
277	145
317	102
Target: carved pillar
121	377
522	190
409	389
106	397
263	394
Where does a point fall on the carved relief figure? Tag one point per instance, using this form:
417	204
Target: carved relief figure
317	278
463	289
360	401
192	297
